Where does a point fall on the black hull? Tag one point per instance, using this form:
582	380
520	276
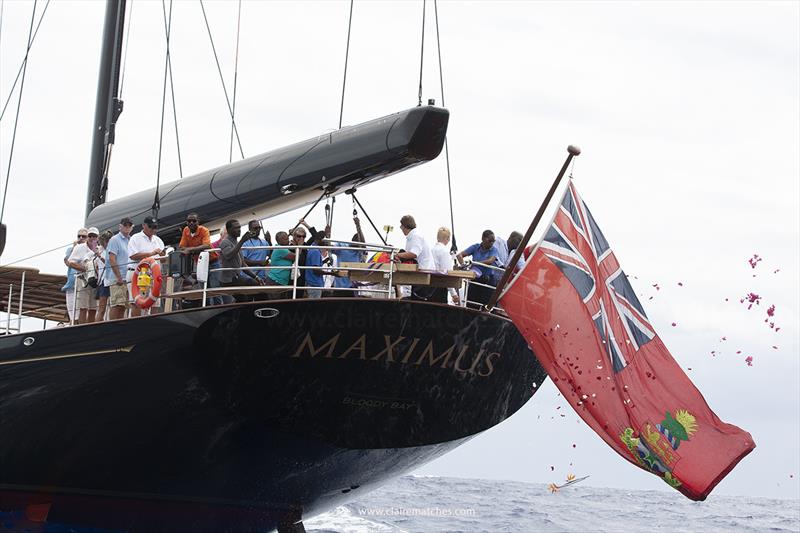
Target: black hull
250	419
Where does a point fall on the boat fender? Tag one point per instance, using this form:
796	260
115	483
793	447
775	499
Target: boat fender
146	283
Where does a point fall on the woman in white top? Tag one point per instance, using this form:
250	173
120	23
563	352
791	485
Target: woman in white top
444	262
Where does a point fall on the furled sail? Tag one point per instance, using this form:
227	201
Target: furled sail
289	177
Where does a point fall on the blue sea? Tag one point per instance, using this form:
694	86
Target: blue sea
434	504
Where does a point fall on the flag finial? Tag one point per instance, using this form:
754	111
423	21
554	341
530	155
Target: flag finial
573	150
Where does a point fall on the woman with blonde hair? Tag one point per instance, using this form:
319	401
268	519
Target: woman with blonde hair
444	263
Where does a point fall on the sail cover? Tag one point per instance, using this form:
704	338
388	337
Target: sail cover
573	303
286	178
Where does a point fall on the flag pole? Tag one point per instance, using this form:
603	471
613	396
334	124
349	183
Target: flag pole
573	151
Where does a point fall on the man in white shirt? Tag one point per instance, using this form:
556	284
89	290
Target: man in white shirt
417	249
141	245
81	260
444	263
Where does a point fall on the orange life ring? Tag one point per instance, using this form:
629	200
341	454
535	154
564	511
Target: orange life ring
146	283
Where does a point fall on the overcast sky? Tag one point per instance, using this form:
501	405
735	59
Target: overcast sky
688	116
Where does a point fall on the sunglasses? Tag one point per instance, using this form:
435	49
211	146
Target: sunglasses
81	236
191	221
92	236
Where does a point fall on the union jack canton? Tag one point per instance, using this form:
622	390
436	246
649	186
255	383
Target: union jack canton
575	244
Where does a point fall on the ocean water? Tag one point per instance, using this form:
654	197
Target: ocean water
434	504
437	504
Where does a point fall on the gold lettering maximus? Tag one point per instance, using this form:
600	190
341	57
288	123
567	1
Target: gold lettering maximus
458	357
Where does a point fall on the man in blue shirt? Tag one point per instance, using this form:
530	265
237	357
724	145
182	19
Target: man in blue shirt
348	256
507	247
117	269
483	253
315	280
255	258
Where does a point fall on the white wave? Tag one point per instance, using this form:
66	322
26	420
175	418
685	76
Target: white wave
344	520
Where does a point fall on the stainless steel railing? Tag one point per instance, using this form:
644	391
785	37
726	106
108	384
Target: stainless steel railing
386	288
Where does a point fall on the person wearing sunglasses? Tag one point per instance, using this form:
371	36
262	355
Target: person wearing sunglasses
195	238
253	253
141	245
69	287
117	270
82	260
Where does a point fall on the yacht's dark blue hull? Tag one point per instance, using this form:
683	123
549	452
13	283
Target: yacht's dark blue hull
240	416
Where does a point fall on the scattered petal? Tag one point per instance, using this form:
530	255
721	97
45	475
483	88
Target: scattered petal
674	324
749	360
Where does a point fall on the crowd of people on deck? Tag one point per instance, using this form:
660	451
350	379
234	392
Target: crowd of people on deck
100	266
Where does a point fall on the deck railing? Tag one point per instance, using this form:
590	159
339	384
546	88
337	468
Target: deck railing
385	288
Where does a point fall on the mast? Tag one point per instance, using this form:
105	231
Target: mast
108	106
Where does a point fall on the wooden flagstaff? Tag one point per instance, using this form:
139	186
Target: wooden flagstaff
573	151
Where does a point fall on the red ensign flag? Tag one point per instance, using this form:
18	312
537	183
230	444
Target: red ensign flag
574	305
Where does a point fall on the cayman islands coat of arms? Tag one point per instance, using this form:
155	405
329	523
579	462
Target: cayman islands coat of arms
655	446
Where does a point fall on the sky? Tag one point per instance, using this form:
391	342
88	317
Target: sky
687	114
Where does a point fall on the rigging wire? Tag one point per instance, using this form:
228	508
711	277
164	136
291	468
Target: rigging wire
421	55
353	193
346	57
2	6
16	119
24	61
235	79
222	79
127	45
51	250
168	30
453	246
156	199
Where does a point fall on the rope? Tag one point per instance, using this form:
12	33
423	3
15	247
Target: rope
421	56
235	78
168	30
222	79
156	200
16	119
24	61
453	246
346	57
125	54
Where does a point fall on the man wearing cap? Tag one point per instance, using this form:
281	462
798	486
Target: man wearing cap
81	259
117	269
141	245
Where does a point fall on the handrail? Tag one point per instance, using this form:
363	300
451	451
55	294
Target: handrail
387	285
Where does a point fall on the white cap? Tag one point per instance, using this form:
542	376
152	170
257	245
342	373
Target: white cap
92	231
